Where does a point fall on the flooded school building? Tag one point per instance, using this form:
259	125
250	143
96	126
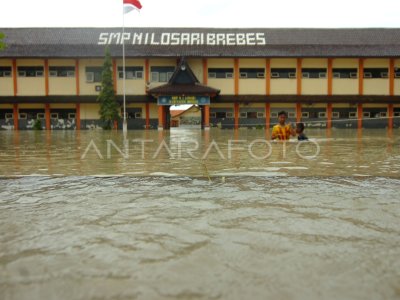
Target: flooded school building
346	78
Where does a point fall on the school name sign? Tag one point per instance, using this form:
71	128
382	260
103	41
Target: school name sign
183	38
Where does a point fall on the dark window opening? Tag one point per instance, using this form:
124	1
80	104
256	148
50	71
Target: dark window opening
345	73
62	71
313	73
251	73
283	73
220	73
376	73
131	72
30	71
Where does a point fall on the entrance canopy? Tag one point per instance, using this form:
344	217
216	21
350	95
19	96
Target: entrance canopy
183	88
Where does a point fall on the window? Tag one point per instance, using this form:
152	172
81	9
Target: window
71	116
60	71
40	116
9	116
305	114
305	75
5	71
397	74
221	72
322	75
30	71
314	72
345	73
212	75
161	74
243	115
383	114
292	115
252	115
274	75
154	76
274	114
138	115
376	73
367	75
22	116
396	114
352	115
335	115
322	114
260	115
89	77
253	73
229	115
54	116
283	73
220	115
213	115
95	74
366	114
132	72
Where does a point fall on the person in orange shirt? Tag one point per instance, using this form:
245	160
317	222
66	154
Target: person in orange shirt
282	131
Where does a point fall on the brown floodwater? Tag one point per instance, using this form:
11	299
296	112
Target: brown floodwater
191	214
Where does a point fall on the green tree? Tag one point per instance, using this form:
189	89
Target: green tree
2	45
109	107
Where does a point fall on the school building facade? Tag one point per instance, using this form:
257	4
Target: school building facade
346	78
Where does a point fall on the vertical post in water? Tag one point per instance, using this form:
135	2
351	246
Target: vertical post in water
124	124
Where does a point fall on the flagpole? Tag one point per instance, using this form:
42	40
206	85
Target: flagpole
124	125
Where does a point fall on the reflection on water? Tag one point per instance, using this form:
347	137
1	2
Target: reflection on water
283	227
187	152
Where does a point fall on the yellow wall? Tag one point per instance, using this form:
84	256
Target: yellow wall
62	85
88	88
90	111
252	105
345	86
221	105
376	63
314	86
153	111
6	83
283	86
197	67
374	105
6	106
252	86
62	105
31	86
227	85
133	86
397	80
31	105
376	86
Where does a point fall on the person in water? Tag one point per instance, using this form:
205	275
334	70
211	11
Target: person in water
300	132
282	131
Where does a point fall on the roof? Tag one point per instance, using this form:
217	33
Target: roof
183	82
177	113
201	42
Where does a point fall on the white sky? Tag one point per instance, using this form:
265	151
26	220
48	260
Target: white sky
204	13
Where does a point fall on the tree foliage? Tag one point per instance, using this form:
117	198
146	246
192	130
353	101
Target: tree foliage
109	107
2	45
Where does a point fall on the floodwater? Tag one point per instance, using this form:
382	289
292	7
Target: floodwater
189	214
